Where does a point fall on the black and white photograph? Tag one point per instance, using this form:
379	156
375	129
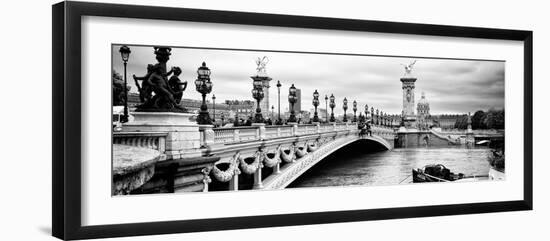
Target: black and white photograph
195	119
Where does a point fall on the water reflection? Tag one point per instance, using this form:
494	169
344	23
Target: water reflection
352	166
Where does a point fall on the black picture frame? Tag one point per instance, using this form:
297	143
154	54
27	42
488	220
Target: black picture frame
66	127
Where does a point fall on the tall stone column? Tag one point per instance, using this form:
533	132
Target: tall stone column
408	100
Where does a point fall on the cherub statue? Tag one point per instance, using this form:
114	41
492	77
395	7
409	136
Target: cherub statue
177	86
145	91
164	96
409	67
261	63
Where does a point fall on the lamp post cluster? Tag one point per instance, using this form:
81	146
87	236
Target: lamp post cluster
204	86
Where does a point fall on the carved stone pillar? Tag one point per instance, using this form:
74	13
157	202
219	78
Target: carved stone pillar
234	183
206	180
277	168
258	176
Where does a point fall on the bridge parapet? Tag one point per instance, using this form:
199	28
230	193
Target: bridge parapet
233	135
149	140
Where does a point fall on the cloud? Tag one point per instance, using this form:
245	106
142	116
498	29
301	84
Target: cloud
451	86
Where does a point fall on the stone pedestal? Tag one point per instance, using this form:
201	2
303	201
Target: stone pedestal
206	135
183	137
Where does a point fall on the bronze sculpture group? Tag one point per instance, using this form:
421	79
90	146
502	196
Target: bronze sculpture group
158	92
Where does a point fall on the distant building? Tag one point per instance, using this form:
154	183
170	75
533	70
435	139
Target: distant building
423	118
133	100
298	104
242	108
322	113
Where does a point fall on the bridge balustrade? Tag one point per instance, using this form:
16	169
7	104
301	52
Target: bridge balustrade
252	133
278	131
306	129
236	134
150	140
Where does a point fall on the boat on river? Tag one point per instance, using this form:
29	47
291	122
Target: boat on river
439	173
435	173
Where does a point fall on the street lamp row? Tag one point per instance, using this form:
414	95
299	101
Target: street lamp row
204	86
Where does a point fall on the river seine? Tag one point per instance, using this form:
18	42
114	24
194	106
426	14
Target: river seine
352	166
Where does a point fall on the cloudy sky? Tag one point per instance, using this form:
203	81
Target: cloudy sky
451	86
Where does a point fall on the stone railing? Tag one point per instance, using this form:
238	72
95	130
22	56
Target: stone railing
150	140
236	134
252	133
278	131
476	132
306	129
383	131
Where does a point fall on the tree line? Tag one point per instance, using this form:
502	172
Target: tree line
481	120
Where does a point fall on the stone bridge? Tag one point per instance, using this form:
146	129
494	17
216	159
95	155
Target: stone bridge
193	157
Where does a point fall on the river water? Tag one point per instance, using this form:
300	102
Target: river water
352	166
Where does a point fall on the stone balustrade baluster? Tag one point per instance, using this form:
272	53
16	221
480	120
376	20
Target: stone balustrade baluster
236	134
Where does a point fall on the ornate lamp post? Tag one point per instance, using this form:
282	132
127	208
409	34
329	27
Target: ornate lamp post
354	111
315	104
332	105
372	115
381	118
223	118
204	86
258	94
214	108
292	99
345	106
279	102
366	112
326	108
125	54
272	113
377	117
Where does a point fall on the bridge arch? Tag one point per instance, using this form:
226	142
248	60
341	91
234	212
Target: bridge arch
296	169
